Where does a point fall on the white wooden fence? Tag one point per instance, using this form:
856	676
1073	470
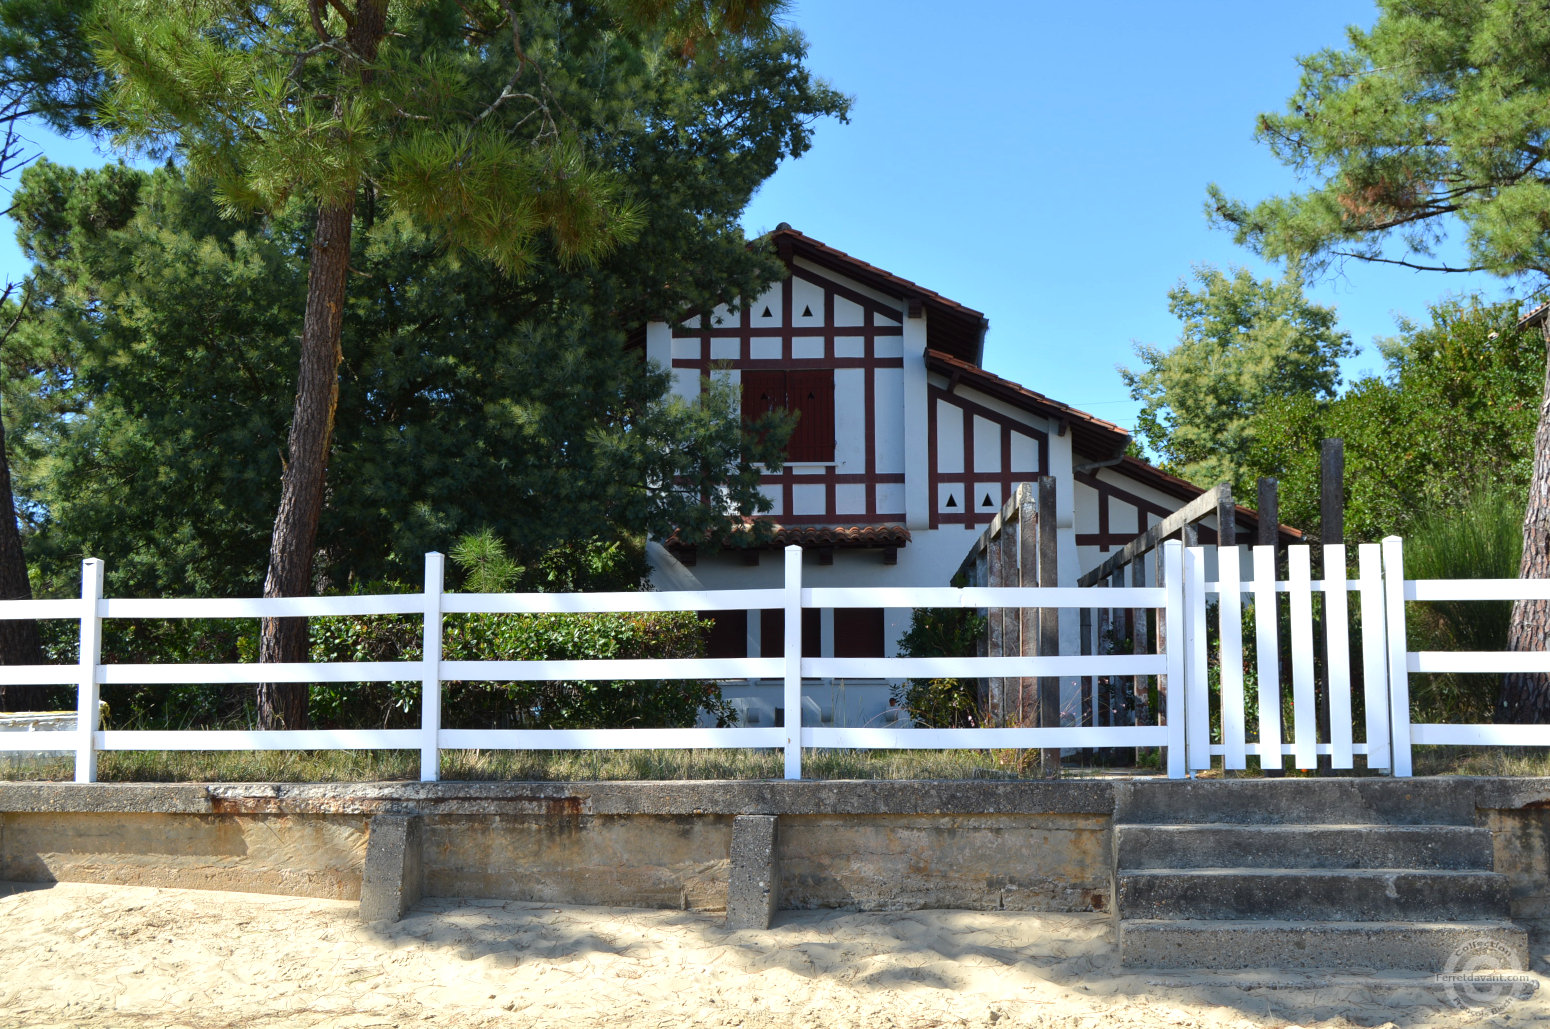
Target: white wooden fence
1186	735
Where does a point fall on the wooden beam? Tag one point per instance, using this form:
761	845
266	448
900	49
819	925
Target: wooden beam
1332	492
1048	691
1269	513
1193	511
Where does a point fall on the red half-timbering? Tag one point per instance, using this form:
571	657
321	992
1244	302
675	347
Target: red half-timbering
978	454
793	348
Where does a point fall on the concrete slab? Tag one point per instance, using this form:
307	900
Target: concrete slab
753	885
393	876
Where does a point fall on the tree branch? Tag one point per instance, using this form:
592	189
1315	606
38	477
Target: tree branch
1408	264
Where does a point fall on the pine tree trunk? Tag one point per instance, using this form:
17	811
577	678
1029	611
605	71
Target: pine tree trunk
294	540
19	643
1525	696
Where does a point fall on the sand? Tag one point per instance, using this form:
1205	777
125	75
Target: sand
84	955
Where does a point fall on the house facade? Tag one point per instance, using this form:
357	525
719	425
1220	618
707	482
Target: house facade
905	448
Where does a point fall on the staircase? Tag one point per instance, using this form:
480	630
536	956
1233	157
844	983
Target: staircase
1306	874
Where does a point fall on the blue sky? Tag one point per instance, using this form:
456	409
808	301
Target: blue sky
1047	164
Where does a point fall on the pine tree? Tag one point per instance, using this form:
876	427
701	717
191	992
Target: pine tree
446	114
1433	118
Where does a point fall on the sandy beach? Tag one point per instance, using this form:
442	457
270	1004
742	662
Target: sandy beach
83	955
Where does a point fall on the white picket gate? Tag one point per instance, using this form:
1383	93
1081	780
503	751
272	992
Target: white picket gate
1195	727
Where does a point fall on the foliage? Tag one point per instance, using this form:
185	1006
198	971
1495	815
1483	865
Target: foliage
1244	343
1479	538
1454	414
941	632
159	393
493	637
1435	112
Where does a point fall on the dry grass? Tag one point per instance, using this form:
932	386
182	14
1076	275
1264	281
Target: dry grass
533	766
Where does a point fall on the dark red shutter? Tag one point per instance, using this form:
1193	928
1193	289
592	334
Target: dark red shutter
763	392
812	632
811	395
858	632
772	632
728	635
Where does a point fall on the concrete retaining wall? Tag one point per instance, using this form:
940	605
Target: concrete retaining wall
1032	846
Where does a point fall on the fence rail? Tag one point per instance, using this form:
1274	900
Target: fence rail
433	604
1260	704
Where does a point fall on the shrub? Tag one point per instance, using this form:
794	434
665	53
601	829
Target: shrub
486	568
1481	537
942	632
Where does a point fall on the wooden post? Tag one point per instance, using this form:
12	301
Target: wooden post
1269	535
1087	683
1011	636
981	577
1141	703
1028	523
1332	492
995	713
1226	517
1123	712
1331	530
1191	534
1049	621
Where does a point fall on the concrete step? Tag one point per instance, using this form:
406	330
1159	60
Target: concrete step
1208	845
1296	801
1350	895
1423	946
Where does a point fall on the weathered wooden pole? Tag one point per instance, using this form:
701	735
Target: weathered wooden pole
1269	535
1049	620
1331	530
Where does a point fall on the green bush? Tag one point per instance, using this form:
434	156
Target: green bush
941	632
1481	537
500	637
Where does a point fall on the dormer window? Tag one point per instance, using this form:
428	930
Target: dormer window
808	392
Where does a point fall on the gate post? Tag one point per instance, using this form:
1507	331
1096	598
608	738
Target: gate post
1399	672
1173	682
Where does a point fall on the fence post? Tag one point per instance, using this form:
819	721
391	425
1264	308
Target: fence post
88	711
430	674
1197	695
1399	673
793	652
1173	684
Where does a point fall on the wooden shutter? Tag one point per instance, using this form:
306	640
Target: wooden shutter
763	392
772	632
728	635
858	632
810	393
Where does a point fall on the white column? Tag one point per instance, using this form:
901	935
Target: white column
917	466
88	687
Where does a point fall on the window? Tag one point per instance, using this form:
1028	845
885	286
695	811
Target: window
808	392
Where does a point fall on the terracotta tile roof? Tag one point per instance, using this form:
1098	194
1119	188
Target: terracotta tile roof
1093	436
1535	317
839	536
